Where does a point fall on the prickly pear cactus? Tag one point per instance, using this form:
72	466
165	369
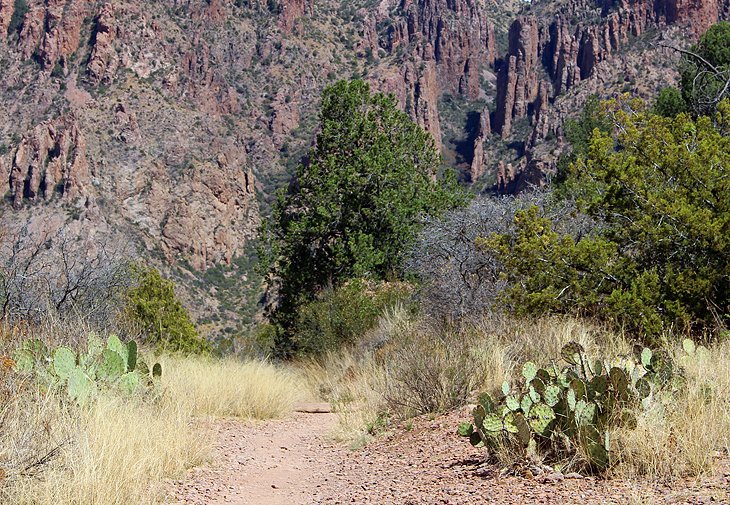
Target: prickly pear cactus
114	366
563	411
64	362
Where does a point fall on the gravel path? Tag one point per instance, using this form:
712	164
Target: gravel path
294	462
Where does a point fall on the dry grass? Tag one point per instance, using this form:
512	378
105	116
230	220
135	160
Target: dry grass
683	437
119	450
422	367
114	452
231	388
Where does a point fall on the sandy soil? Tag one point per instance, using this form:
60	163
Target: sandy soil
294	462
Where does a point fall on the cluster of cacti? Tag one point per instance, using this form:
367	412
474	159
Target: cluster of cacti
112	366
561	411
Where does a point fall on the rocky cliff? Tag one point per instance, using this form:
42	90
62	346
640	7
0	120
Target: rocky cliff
562	50
172	122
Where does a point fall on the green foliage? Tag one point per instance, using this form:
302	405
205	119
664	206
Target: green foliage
341	315
354	207
114	367
562	413
152	305
578	133
669	102
703	79
660	255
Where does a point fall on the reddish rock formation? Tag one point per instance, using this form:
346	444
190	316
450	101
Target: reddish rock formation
285	115
455	34
103	61
50	161
7	7
477	167
291	10
569	53
208	216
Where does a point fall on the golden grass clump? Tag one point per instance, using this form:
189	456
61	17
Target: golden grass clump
231	388
119	449
683	437
113	452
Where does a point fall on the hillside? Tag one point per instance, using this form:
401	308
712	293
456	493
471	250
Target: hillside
168	125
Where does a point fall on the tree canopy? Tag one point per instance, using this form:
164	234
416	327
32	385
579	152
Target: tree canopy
659	256
354	206
705	70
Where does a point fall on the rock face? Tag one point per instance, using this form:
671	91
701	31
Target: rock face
567	53
565	44
449	45
456	34
50	161
208	216
103	62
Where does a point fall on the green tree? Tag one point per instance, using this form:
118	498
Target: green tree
152	305
354	207
659	189
578	133
705	70
669	102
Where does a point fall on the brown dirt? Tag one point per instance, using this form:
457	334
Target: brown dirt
294	461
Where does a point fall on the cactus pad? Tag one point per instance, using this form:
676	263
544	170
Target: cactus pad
534	395
492	424
485	400
509	423
465	429
512	403
505	388
129	382
571	399
585	413
80	387
689	346
479	415
523	429
24	360
581	391
599	384
131	356
646	356
156	371
64	361
552	395
540	418
112	365
619	382
529	371
643	388
526	404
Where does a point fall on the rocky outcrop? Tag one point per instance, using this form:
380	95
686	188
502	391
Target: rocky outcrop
284	116
291	10
62	26
7	7
104	60
477	167
208	216
455	34
558	52
49	162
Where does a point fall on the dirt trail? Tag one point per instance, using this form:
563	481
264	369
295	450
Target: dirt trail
285	461
423	462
